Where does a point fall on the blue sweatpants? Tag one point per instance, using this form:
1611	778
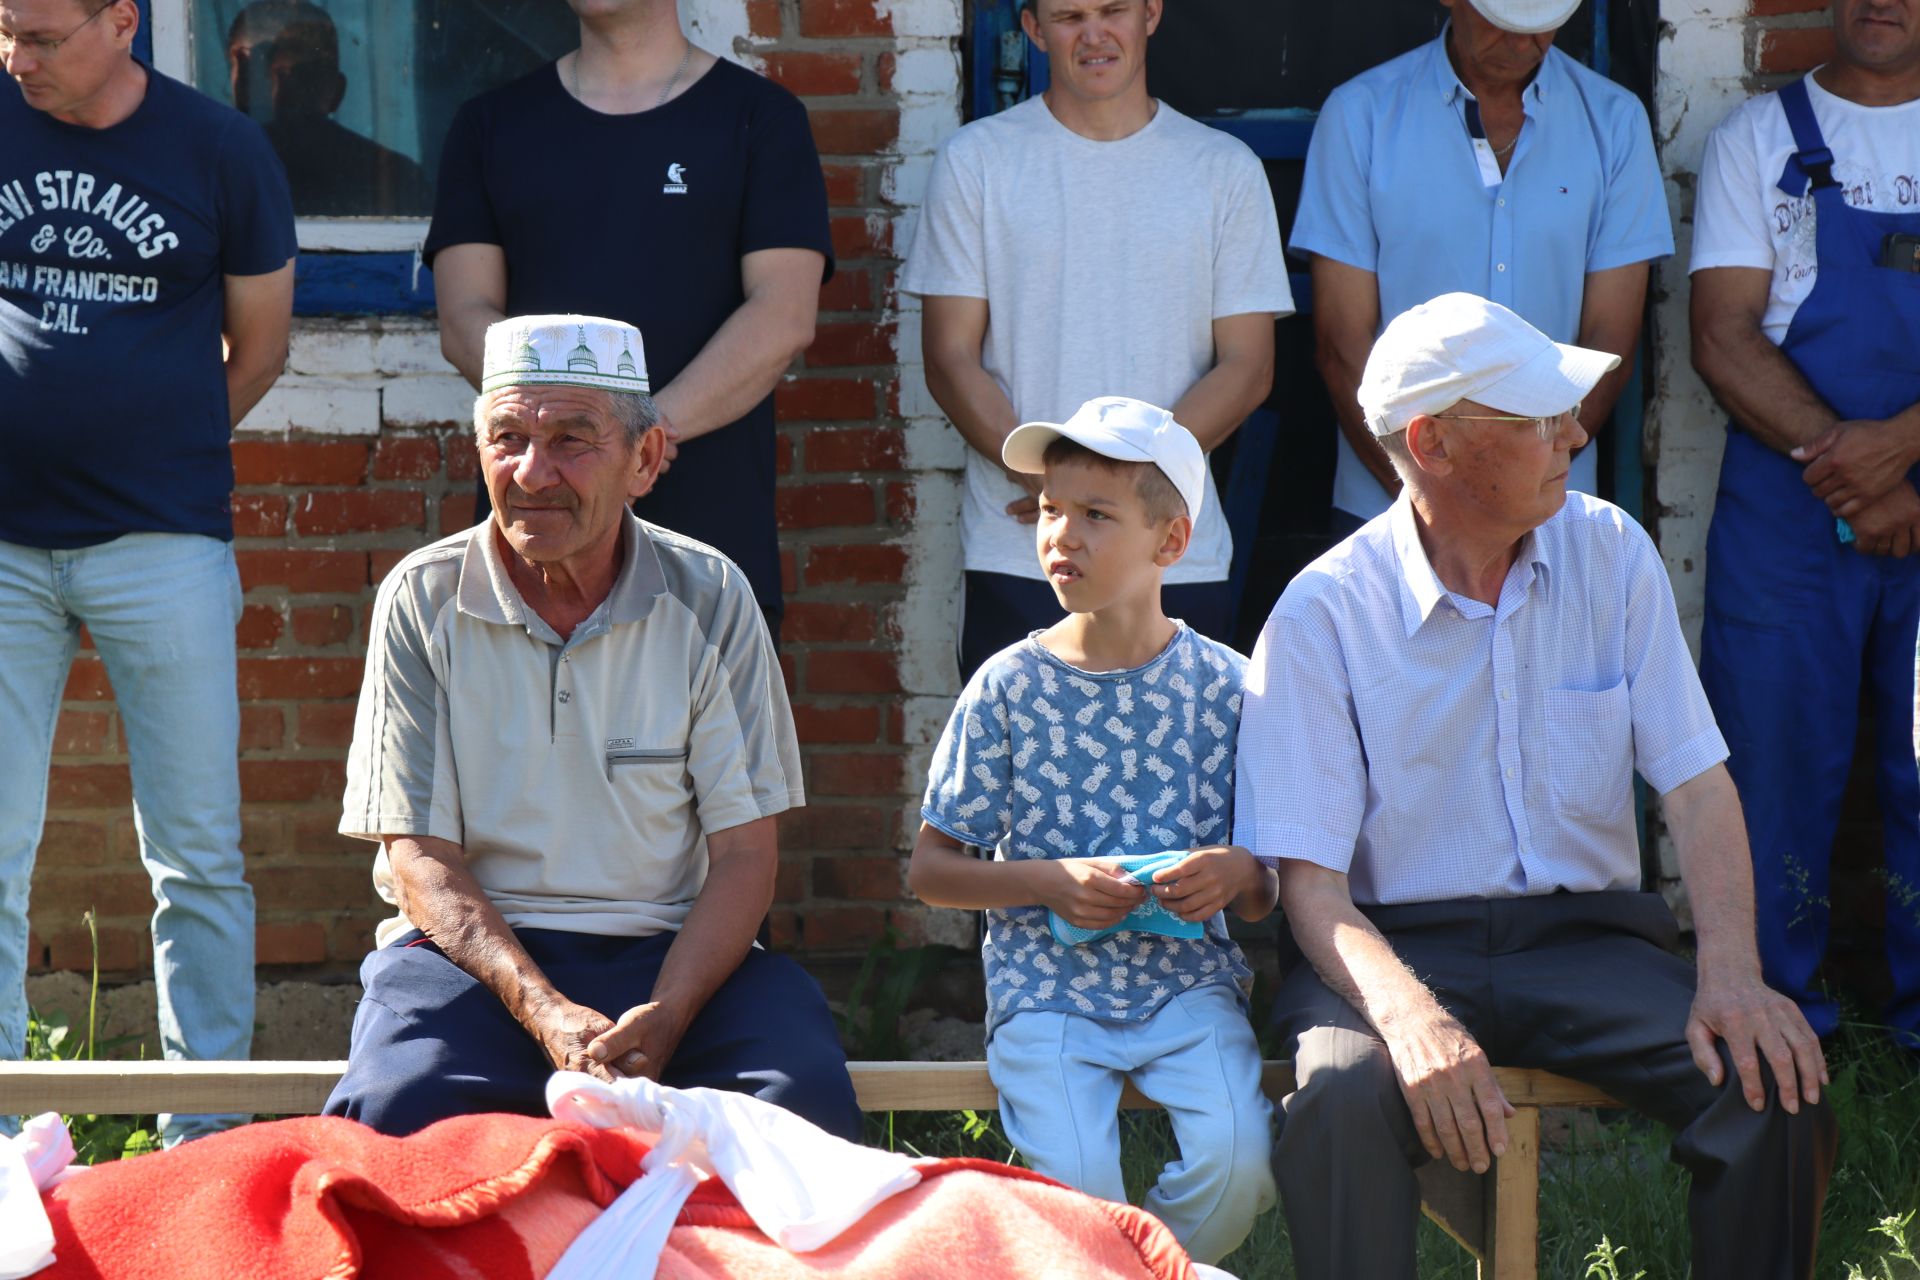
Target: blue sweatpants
1060	1077
429	1041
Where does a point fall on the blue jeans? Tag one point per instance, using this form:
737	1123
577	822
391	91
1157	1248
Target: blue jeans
161	608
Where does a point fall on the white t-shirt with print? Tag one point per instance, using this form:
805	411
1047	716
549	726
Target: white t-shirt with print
1105	265
1741	218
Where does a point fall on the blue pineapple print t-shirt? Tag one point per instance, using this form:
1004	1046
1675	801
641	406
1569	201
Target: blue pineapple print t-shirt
1043	760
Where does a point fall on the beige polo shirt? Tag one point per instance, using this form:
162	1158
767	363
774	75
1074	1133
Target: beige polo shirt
579	776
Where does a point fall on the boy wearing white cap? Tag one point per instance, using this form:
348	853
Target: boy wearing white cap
1095	759
1443	718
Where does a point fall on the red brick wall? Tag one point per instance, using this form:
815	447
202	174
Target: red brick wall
320	518
1789	37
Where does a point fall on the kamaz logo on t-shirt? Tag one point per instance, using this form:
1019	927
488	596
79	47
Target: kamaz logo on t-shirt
676	183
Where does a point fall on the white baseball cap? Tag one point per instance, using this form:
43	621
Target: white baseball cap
1526	17
1460	347
1125	430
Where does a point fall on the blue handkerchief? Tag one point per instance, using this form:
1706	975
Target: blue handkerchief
1150	916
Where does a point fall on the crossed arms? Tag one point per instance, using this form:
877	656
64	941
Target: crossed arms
1858	468
436	890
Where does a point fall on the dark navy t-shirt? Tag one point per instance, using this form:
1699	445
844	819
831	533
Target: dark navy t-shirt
644	218
113	246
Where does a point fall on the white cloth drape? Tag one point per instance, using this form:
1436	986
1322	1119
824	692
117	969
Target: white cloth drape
801	1185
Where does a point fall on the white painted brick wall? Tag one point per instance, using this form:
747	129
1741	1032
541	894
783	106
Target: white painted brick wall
1702	76
347	377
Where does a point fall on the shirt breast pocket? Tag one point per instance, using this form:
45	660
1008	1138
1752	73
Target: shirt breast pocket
646	765
1590	751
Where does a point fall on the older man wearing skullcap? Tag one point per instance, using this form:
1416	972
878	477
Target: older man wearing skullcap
1442	722
571	743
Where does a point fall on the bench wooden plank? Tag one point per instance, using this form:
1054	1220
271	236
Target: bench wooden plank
301	1088
185	1088
1495	1216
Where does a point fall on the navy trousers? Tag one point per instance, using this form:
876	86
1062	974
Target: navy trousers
429	1041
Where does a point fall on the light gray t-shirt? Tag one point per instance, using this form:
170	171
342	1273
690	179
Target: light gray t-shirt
1105	265
581	777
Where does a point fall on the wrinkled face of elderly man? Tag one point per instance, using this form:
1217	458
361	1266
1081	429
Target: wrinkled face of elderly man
1479	411
562	463
1510	469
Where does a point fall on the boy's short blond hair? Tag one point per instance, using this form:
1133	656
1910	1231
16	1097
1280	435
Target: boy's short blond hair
1156	491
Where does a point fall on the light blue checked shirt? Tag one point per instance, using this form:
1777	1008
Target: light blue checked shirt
1433	747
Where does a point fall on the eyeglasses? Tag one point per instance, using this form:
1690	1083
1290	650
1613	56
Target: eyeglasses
46	48
1547	427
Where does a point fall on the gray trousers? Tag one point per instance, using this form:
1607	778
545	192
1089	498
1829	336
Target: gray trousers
1585	985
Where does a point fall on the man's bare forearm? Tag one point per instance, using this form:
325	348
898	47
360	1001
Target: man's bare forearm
1350	955
737	368
439	894
1341	371
974	403
720	927
1214	407
1756	383
250	375
1710	839
463	337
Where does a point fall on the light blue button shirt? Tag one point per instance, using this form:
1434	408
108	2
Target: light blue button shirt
1433	747
1392	186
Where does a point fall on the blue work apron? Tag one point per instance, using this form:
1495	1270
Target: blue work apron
1796	620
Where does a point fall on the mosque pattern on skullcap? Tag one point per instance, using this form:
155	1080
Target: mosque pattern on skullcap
580	359
564	350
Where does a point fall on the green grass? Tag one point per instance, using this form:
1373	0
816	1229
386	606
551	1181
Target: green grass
1612	1206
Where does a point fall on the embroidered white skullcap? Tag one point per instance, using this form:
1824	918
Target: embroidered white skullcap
572	351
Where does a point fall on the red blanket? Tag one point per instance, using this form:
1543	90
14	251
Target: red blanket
501	1197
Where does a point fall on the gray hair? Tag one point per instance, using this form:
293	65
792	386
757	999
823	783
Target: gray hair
634	411
1394	444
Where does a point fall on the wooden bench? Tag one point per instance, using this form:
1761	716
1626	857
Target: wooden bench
1495	1216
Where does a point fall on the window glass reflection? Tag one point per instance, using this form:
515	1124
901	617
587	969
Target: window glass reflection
356	95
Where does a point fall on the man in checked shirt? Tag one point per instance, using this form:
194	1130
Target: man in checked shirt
1447	710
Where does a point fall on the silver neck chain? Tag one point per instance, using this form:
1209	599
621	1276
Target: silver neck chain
673	81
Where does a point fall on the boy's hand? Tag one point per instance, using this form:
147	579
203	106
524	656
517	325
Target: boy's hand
1091	893
1207	880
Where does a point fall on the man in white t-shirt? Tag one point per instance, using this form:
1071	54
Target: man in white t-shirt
1086	243
1806	324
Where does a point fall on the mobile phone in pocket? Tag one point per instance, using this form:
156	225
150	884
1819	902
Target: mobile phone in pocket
1901	251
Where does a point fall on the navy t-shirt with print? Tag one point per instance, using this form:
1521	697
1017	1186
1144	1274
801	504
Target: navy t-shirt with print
644	218
113	247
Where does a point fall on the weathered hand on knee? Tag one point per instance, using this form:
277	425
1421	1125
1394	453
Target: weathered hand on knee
1448	1082
1756	1023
